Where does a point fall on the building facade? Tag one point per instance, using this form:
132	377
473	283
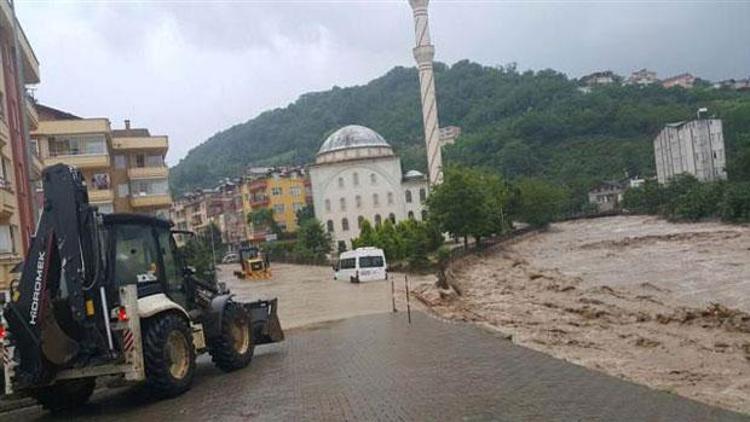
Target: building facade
124	169
606	77
695	147
17	115
356	176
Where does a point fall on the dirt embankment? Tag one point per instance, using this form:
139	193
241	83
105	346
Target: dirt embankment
640	326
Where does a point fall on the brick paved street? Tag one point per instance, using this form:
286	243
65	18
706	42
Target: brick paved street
377	367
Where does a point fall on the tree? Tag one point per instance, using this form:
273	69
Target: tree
263	217
313	242
305	213
540	202
458	205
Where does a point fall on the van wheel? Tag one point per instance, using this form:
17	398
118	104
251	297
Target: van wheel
169	355
65	395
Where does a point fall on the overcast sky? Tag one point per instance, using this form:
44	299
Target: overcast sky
188	69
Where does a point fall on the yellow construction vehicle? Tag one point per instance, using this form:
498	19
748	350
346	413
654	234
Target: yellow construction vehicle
253	264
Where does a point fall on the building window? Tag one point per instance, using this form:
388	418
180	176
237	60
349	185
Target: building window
342	204
424	215
154	160
392	217
5	181
140	160
342	246
278	209
422	195
341	182
411	215
390	198
150	187
6	239
123	190
355	179
295	191
378	220
358	201
120	162
297	206
328	205
373	179
77	145
276	191
408	196
345	224
375	199
329	226
100	181
360	219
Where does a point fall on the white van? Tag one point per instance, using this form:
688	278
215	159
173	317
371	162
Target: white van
361	264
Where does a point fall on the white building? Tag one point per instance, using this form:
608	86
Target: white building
357	176
695	147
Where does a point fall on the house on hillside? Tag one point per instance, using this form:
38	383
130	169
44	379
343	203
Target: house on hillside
606	77
448	135
734	84
642	77
684	80
607	195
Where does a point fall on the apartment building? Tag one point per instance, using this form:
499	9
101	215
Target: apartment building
284	190
20	68
695	147
139	172
124	169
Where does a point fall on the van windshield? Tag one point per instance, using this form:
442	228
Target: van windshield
370	261
347	263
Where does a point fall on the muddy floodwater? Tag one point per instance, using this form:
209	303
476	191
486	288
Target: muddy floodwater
640	298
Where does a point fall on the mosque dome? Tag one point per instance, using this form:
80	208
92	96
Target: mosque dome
361	141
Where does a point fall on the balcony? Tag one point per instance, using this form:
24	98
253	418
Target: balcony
150	201
140	143
31	113
82	161
73	127
135	173
7	201
259	202
101	195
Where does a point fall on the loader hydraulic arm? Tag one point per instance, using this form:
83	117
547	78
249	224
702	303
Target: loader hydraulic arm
63	268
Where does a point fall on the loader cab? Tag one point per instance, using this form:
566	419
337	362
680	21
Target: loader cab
143	252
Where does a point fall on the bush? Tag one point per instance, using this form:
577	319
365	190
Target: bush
735	205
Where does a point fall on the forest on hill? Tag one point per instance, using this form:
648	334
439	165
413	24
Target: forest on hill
516	124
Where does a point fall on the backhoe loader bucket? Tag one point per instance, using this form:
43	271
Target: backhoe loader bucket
265	321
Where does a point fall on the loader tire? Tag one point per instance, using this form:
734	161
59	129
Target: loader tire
65	395
233	347
169	355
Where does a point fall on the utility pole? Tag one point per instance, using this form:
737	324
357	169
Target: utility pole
424	52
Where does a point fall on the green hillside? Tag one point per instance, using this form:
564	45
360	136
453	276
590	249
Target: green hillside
517	124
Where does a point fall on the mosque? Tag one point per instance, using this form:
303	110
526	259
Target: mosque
357	176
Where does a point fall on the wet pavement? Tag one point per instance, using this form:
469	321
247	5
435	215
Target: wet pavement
378	367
